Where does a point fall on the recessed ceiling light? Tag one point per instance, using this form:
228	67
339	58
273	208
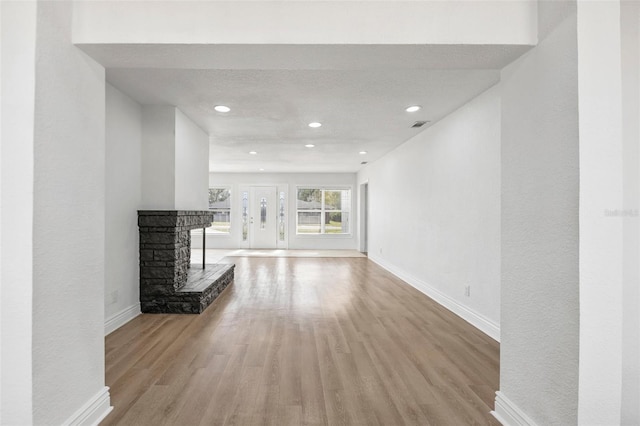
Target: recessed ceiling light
222	108
315	125
262	170
309	145
413	108
252	152
363	152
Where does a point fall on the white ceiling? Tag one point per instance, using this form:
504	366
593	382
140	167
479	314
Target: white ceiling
361	107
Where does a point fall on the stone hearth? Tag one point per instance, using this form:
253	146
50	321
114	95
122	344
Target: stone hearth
167	283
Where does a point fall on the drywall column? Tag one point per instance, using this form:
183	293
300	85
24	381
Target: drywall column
68	226
540	183
630	47
175	161
158	157
601	192
18	37
191	165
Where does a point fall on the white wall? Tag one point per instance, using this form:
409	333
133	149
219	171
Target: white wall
540	183
175	160
602	188
122	200
158	157
191	165
1	84
630	25
68	224
17	88
312	22
285	180
434	211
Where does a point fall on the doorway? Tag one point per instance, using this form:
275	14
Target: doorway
263	233
364	216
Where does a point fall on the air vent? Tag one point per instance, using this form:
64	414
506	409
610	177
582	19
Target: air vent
419	124
364	162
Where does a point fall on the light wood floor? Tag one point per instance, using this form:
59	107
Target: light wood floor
296	341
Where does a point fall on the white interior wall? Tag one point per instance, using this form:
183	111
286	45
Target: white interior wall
175	160
630	25
312	22
434	211
158	157
540	183
68	225
122	200
1	84
630	14
291	180
191	164
601	235
17	94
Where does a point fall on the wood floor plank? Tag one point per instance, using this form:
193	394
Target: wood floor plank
196	397
312	396
231	380
304	341
381	401
290	373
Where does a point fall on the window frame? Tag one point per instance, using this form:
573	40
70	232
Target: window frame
322	211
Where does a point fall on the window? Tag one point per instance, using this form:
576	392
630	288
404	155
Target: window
245	215
323	211
263	212
220	205
281	218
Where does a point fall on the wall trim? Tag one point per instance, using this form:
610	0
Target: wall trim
479	321
119	319
509	414
93	411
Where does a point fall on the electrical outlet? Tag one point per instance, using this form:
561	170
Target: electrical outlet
467	291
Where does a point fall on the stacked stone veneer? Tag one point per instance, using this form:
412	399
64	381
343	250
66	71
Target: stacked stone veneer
165	257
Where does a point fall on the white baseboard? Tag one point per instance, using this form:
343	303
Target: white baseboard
119	319
93	412
477	320
509	414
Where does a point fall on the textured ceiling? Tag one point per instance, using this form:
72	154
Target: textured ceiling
358	93
360	110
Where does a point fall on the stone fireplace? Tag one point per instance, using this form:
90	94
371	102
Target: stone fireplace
168	283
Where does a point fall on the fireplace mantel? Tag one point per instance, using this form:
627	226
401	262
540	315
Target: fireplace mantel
185	220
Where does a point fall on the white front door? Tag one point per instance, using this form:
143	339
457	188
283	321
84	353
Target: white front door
263	217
